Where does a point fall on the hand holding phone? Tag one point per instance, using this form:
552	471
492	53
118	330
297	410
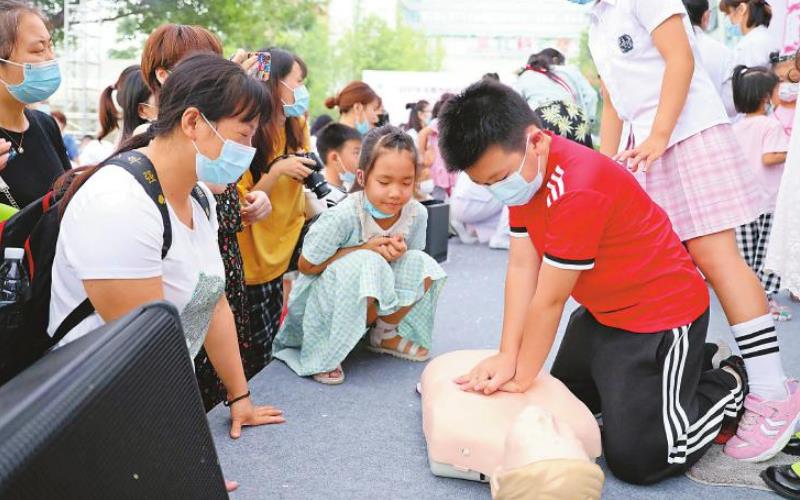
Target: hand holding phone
263	65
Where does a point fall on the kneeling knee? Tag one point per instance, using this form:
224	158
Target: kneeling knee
640	466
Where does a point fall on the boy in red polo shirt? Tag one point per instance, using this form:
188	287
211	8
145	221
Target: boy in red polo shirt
634	350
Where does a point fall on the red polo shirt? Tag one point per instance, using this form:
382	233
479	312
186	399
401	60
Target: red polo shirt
591	215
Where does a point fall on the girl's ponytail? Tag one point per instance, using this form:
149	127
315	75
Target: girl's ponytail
108	113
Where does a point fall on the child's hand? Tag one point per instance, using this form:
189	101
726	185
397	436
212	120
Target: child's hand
647	153
377	244
489	375
395	248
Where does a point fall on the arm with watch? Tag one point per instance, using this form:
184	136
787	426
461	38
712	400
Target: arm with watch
114	298
222	347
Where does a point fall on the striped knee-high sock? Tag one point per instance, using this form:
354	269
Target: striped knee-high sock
758	344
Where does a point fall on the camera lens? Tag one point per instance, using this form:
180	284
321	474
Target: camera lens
318	185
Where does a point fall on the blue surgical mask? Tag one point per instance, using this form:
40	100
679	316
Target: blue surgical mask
733	32
581	2
373	210
362	127
40	81
514	190
301	101
348	178
232	162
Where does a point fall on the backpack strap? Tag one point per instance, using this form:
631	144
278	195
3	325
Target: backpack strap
139	166
73	319
201	197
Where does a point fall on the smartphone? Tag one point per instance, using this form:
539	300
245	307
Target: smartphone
263	65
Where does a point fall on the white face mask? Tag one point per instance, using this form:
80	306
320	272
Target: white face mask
787	91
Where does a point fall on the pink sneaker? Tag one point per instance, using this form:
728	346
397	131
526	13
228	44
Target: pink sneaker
766	427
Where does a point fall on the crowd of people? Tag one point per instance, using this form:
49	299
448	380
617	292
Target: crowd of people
236	237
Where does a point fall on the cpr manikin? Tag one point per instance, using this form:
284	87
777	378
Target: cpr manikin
541	444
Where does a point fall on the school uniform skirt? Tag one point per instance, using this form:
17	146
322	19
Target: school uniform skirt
704	184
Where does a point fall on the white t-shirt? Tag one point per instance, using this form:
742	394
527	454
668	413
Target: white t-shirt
94	152
632	68
113	230
717	59
754	48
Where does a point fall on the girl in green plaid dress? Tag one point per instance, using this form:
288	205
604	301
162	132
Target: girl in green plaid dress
364	270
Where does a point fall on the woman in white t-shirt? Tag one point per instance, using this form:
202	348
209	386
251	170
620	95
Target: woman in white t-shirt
752	18
715	56
110	244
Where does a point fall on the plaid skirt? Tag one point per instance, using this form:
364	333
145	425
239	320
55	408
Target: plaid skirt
704	184
266	305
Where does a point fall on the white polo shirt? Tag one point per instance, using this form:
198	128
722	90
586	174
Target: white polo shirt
632	68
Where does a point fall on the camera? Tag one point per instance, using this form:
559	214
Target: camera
316	183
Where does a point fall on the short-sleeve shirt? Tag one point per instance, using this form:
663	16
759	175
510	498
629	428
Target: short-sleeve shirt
760	135
591	215
113	230
267	245
632	68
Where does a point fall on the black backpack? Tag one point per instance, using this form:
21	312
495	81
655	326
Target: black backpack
35	228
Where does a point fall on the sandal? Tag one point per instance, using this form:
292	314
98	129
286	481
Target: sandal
405	349
328	378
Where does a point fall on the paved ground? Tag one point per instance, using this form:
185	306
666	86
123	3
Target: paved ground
363	440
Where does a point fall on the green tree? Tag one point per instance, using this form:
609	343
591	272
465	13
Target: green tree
372	44
251	24
298	25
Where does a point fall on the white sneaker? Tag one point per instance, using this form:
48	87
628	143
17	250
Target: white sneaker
465	235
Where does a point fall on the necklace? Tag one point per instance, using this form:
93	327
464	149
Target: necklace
20	150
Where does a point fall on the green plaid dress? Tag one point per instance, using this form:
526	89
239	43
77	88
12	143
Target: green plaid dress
327	313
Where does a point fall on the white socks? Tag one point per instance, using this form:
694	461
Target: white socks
758	344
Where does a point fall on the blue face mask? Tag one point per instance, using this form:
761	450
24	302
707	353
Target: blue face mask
514	190
40	81
373	210
733	32
348	178
232	162
362	127
301	101
581	2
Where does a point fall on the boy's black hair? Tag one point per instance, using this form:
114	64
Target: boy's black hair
486	113
751	86
696	10
333	137
320	122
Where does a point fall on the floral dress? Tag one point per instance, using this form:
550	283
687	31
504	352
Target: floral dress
230	223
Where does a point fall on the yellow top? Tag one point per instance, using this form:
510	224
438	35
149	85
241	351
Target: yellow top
267	245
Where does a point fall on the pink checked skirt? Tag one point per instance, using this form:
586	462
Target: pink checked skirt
704	184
